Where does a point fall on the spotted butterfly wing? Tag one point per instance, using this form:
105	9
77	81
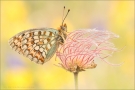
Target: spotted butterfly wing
38	45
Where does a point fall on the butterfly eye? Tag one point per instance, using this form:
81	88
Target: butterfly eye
65	25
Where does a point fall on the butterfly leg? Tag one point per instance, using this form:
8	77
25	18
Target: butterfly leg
60	40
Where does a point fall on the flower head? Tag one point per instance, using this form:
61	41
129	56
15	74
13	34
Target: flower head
83	46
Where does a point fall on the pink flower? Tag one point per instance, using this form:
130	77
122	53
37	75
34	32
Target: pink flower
83	46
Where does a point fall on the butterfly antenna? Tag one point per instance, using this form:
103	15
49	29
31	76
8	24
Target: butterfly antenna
65	17
63	13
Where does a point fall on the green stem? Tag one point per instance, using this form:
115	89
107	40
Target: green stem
76	80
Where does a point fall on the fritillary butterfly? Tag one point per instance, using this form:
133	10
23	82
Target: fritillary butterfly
39	45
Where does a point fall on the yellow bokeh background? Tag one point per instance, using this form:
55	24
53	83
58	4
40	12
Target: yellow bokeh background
18	72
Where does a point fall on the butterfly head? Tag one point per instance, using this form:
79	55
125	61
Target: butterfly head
64	27
63	31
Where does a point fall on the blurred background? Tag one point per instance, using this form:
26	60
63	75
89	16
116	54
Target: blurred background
18	72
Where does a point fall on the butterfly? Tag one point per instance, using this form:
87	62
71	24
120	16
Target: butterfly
39	45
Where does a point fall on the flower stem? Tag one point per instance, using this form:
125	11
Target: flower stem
76	80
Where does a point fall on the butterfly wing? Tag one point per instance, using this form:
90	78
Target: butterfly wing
38	45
